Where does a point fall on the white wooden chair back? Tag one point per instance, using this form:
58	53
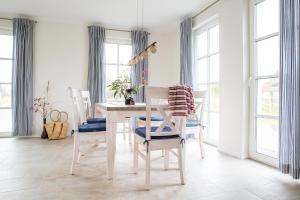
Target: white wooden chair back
87	105
78	112
74	100
199	100
158	95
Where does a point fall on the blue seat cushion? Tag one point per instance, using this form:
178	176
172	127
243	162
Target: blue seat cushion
96	120
92	127
192	123
141	131
153	119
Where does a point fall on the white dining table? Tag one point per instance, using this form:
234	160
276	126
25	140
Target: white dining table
116	113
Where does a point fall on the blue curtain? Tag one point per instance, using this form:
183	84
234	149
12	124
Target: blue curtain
96	73
186	68
22	86
289	120
139	75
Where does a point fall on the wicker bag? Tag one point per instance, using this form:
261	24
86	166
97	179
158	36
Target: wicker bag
57	129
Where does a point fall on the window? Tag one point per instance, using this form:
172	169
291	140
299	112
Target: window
206	67
265	73
6	52
117	58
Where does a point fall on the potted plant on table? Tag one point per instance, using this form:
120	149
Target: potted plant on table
124	88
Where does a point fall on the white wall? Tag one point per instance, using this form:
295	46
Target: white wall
164	65
60	56
232	15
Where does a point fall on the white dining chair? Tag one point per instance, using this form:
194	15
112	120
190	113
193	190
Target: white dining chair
85	94
87	105
84	133
195	124
166	136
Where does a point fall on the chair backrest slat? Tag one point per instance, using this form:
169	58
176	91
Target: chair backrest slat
160	96
200	100
87	105
78	111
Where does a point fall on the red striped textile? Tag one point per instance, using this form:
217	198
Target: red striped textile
181	100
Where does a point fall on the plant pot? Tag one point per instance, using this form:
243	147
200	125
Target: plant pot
44	134
129	101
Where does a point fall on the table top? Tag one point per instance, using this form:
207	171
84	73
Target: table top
122	107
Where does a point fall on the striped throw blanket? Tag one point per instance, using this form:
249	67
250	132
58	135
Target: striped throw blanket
181	100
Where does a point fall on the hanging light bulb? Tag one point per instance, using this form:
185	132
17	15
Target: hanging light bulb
136	60
131	62
145	54
153	49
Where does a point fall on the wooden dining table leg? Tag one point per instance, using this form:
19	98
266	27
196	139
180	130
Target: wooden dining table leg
109	140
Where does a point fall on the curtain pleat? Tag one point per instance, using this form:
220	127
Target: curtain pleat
139	74
96	70
289	120
22	85
186	69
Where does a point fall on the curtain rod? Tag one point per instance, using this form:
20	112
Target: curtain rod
120	30
10	19
109	29
202	11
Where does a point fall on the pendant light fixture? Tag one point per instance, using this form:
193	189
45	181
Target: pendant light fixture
152	48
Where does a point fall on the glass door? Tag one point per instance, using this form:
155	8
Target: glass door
6	51
206	76
264	135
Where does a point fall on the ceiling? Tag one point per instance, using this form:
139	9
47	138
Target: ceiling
115	13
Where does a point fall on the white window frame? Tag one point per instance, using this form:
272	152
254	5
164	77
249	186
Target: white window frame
9	33
253	80
205	27
118	64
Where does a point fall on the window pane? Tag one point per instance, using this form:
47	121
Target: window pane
268	57
111	53
5	71
201	71
267	96
202	45
5	95
214	125
205	124
200	87
111	75
124	72
267	17
214	97
267	136
214	68
124	54
5	120
6	46
214	39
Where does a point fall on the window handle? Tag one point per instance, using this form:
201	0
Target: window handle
250	81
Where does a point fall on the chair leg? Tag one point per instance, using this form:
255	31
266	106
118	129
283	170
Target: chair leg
78	157
181	164
135	156
148	159
201	143
166	159
75	152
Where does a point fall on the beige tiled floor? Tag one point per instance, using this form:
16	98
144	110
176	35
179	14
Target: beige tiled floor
38	169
